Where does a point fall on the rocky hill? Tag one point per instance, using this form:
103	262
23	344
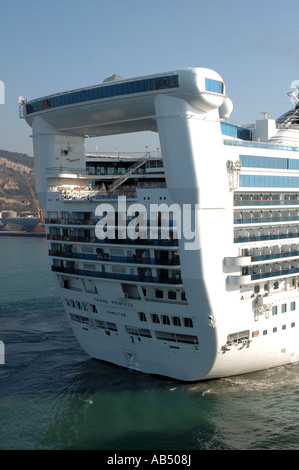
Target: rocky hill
14	191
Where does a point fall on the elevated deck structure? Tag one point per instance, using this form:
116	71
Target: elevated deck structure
197	304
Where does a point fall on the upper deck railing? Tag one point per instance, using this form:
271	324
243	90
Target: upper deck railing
262	145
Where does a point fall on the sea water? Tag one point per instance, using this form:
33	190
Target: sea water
54	396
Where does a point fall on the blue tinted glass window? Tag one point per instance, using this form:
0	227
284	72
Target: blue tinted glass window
130	87
254	161
152	84
269	181
236	131
214	86
141	86
293	164
146	85
136	86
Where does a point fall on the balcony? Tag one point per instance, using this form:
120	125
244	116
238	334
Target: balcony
280	233
256	273
116	276
127	241
244	219
175	261
256	203
262	254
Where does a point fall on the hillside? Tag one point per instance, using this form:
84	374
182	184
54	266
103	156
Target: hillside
14	191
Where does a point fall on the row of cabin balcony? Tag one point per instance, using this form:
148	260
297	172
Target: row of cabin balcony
95	196
266	199
254	273
252	255
101	190
160	242
265	217
143	256
93	221
109	169
87	217
144	235
266	234
147	275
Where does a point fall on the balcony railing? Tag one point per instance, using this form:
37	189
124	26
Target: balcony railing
92	221
257	238
116	259
260	220
279	272
265	257
266	203
126	241
116	276
247	277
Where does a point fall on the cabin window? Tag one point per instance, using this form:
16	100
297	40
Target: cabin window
172	294
283	308
159	294
155	318
100	170
188	323
274	310
142	316
176	321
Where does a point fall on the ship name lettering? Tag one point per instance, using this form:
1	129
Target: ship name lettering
123	304
121	314
103	301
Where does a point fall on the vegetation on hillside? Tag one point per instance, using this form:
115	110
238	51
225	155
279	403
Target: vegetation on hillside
14	191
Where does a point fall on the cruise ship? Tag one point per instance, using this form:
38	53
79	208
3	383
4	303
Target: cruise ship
180	262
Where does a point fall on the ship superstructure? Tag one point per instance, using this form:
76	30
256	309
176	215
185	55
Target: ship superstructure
182	262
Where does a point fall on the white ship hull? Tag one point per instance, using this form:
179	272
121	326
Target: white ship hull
139	349
217	296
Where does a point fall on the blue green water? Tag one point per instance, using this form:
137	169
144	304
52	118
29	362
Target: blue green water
53	396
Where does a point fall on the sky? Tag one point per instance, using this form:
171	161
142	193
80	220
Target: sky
50	46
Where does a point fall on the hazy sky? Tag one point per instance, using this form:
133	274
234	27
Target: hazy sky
59	45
